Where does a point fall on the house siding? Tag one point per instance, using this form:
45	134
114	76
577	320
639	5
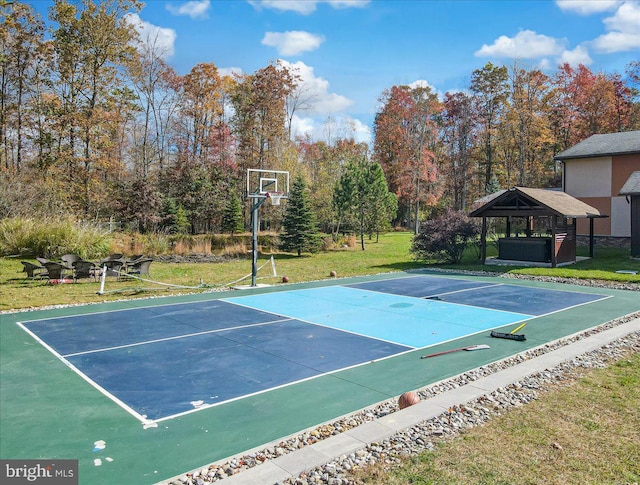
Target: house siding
584	178
597	181
623	167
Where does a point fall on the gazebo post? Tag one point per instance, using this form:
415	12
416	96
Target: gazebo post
483	240
554	258
591	241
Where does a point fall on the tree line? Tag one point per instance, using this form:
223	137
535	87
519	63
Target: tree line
95	124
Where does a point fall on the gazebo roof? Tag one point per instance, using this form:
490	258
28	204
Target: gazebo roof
632	185
524	201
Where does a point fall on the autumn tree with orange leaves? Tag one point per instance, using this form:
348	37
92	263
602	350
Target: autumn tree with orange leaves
405	142
95	123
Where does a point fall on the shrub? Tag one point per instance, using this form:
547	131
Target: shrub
445	237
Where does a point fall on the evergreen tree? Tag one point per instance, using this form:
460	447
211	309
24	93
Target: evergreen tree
361	198
299	224
174	217
383	204
181	223
233	220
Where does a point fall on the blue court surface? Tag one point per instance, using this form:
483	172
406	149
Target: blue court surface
160	362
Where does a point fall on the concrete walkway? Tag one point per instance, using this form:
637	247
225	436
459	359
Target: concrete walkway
325	451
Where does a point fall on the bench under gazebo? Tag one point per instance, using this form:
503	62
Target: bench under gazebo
556	209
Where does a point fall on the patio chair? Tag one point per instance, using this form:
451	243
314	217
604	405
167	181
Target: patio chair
114	267
111	257
139	267
56	271
69	259
84	269
34	271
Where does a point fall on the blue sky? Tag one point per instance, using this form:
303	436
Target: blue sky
349	51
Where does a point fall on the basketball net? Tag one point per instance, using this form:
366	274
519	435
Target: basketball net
275	197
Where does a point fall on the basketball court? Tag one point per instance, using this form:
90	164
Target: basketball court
166	385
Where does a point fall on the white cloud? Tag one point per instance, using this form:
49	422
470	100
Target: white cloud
196	9
301	126
525	45
323	108
317	90
292	42
162	39
306	7
332	127
626	18
421	83
362	132
587	7
544	64
617	42
577	56
624	30
230	71
348	3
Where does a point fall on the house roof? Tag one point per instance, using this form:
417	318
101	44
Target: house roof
632	185
609	144
524	201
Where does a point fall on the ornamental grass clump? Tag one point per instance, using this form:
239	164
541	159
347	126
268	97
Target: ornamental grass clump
51	238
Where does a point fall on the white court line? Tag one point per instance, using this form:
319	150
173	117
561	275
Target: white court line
132	307
462	290
291	383
92	383
146	421
338	329
604	297
166	339
428	297
452	303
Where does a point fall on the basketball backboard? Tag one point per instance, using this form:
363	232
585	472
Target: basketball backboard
262	182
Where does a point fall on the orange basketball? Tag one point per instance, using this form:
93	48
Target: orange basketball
408	399
285	279
333	274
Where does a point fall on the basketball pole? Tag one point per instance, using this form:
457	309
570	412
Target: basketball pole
254	239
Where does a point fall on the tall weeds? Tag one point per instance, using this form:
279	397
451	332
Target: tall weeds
51	238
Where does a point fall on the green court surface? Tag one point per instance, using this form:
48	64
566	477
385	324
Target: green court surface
49	411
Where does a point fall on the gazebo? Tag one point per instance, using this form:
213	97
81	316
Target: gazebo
560	210
631	190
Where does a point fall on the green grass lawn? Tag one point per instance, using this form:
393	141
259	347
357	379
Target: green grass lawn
391	253
557	439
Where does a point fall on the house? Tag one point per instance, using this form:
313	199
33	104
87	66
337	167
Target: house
595	171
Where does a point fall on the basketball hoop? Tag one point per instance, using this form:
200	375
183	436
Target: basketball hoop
275	197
